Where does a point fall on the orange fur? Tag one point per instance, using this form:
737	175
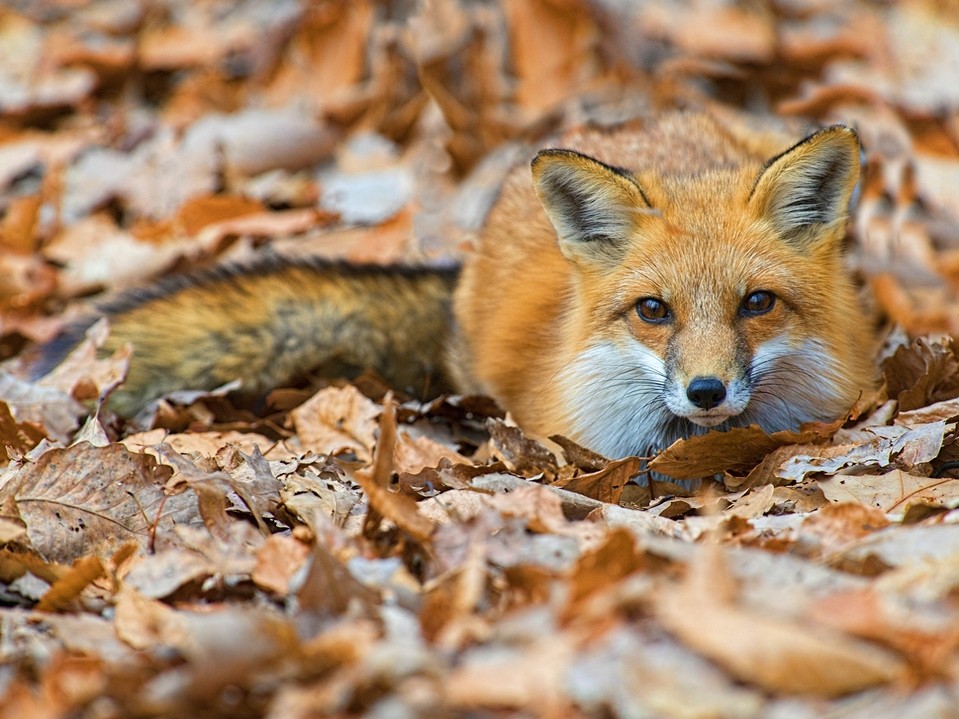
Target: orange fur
548	324
707	214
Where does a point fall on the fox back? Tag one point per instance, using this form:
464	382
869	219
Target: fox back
650	283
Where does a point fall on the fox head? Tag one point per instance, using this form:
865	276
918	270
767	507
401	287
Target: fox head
715	299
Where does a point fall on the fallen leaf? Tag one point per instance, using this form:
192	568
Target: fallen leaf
52	410
85	500
871	615
413	454
902	546
736	450
837	525
337	420
943	411
509	677
146	623
376	481
200	211
922	373
278	561
67	588
521	454
892	493
16	438
552	49
920	445
606	484
602	567
776	654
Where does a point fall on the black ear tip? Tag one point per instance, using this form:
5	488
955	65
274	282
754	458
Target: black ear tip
544	155
554	152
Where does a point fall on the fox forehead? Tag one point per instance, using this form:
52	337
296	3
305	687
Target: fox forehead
713	260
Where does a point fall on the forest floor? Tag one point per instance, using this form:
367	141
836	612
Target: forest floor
353	552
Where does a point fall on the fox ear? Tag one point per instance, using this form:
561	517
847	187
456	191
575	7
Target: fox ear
592	206
806	190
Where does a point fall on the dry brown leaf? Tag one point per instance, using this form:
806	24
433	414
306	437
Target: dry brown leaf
200	211
767	471
603	567
931	580
818	40
521	454
579	456
210	489
327	53
231	646
541	508
176	47
278	561
606	484
71	583
902	546
916	50
262	224
319	493
328	588
922	373
18	227
146	624
736	450
51	409
552	49
754	503
16	438
13	530
90	500
837	525
869	614
460	66
448	614
69	680
639	677
31	83
413	454
97	254
511	678
910	447
162	574
641	524
717	30
892	493
943	411
376	480
777	654
337	420
204	444
389	241
25	281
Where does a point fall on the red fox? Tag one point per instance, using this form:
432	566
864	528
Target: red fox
638	286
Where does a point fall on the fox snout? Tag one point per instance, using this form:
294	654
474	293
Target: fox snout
706	399
706	392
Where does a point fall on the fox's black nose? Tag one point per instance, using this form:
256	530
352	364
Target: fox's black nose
706	392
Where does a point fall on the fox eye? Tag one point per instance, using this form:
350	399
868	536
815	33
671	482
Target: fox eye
757	303
652	310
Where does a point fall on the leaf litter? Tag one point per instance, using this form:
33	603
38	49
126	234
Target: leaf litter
348	553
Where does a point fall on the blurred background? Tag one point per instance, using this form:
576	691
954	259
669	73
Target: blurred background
144	137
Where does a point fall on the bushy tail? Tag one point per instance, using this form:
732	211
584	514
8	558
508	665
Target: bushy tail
269	322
